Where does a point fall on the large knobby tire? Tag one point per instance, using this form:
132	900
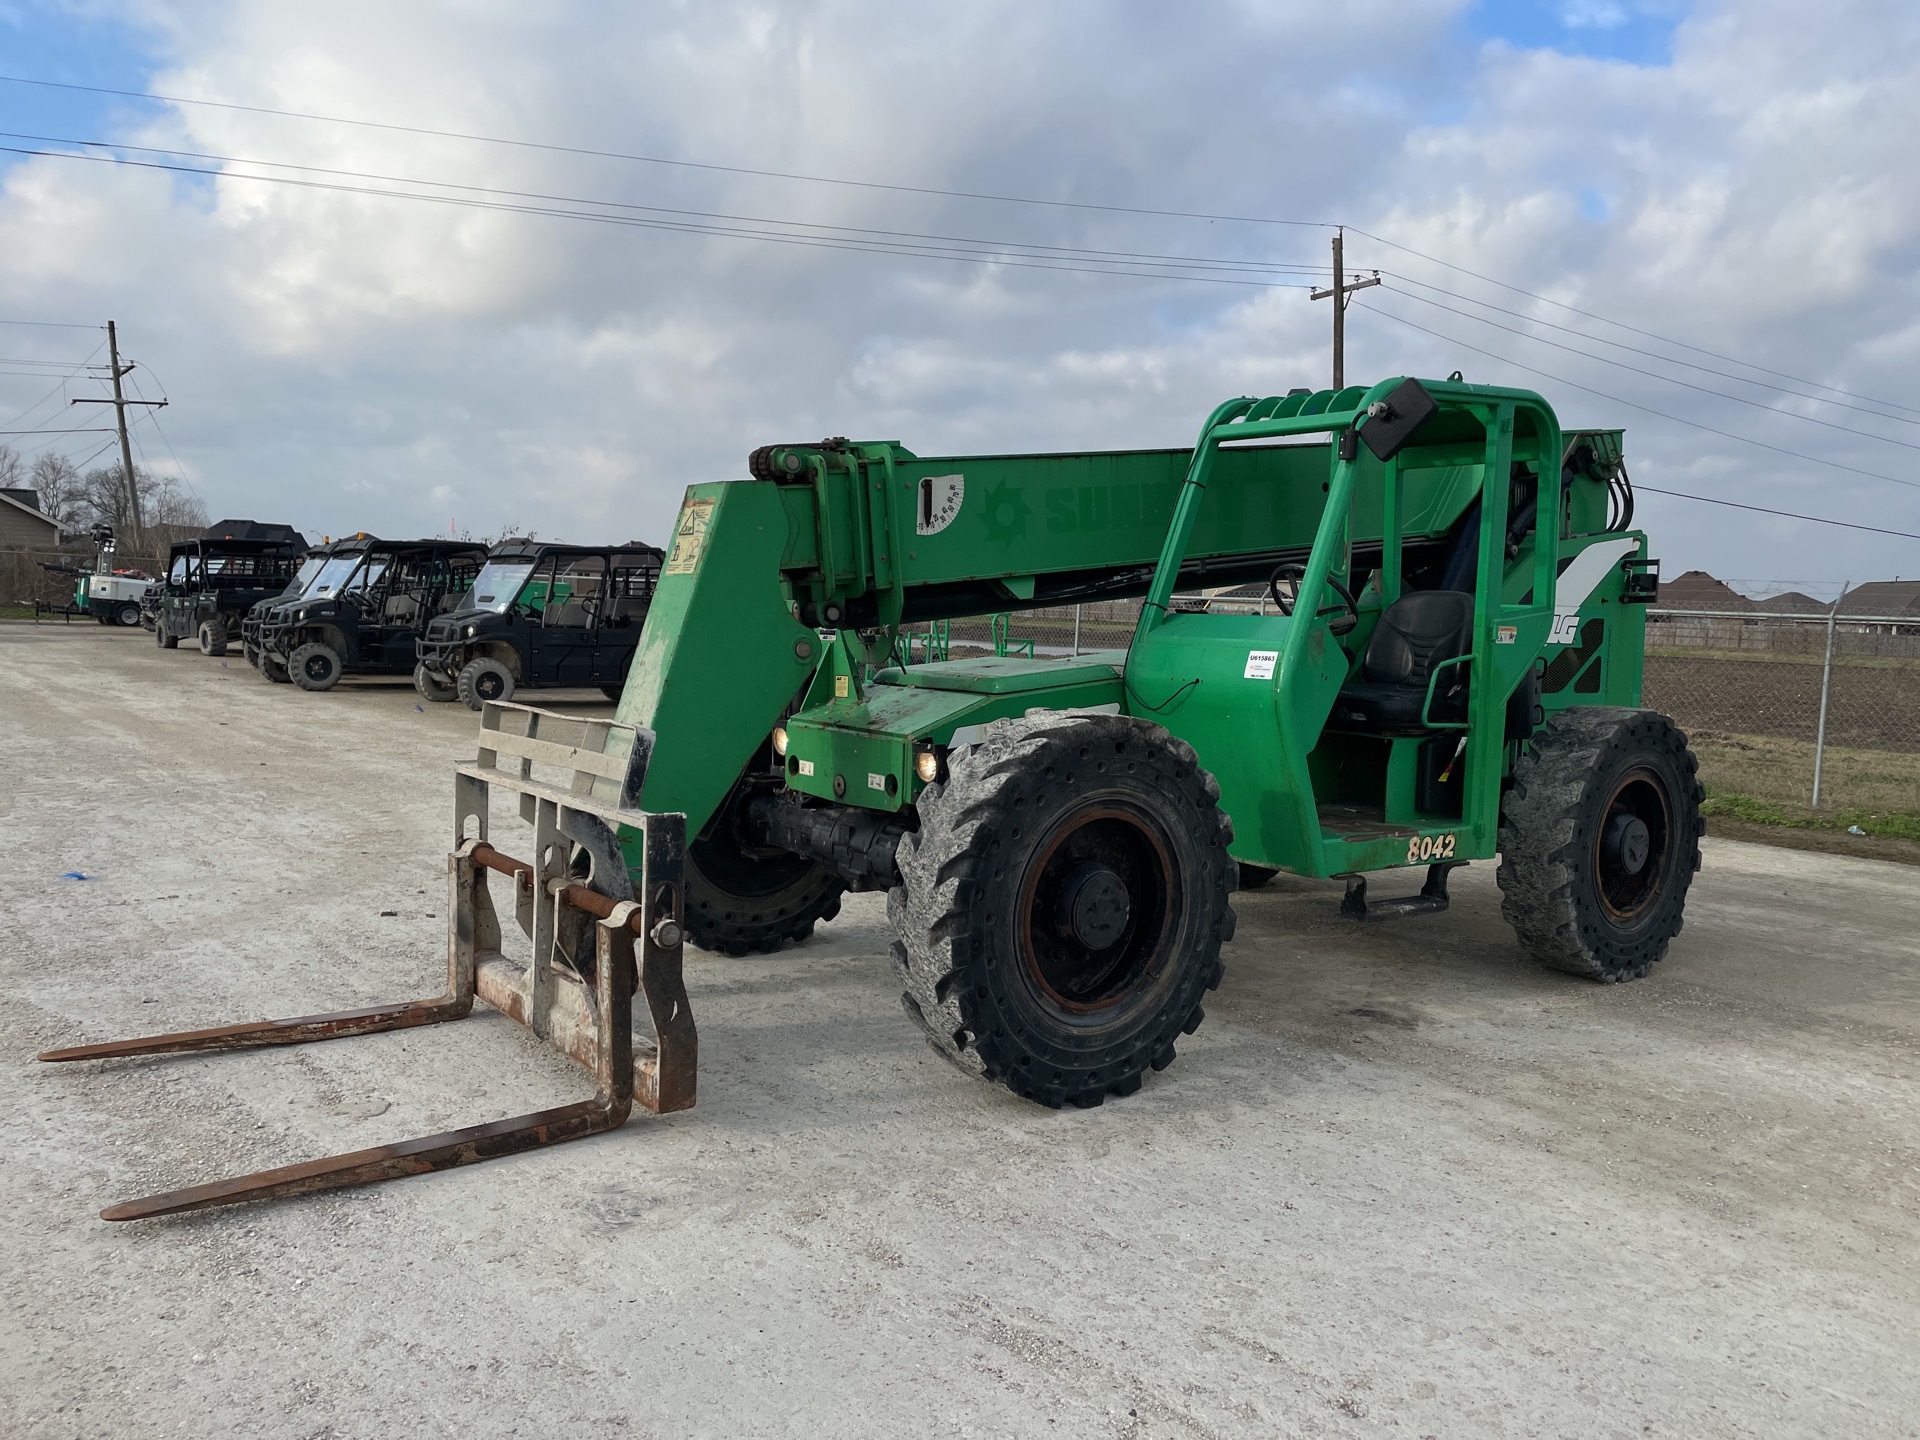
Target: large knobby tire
162	637
432	687
314	666
1063	904
1599	841
274	670
740	902
213	637
482	680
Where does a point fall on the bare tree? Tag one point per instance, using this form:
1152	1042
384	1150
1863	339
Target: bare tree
163	500
58	481
13	468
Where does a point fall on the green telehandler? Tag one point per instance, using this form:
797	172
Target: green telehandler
1452	672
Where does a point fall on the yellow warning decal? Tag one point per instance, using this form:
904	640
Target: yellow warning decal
689	537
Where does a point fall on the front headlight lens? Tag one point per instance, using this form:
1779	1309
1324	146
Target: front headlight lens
927	766
779	740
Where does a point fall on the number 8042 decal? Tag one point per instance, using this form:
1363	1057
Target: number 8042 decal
1429	847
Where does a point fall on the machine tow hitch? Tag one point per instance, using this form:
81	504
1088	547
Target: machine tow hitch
594	941
1431	899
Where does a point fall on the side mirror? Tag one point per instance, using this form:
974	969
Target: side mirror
1392	423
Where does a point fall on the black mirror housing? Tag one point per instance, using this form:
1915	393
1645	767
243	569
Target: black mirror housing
1392	423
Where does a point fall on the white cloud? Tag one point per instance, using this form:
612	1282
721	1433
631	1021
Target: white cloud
349	362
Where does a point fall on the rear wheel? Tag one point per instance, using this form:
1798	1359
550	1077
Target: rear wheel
315	666
213	637
1599	841
483	680
1063	904
127	614
163	638
431	686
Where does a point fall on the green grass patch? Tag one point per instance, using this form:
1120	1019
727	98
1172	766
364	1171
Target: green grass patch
1902	823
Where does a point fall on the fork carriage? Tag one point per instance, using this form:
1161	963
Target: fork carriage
599	932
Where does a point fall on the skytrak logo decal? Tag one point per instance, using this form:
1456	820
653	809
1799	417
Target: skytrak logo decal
1085	509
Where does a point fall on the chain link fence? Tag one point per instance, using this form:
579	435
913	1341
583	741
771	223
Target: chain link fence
1788	713
1795	712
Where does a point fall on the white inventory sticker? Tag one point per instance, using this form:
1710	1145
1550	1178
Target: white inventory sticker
1260	664
876	782
806	767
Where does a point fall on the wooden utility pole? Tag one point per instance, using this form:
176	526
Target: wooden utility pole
120	403
1338	293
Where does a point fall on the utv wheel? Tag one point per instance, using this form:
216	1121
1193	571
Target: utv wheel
483	680
431	686
213	637
162	638
314	666
1599	841
1252	877
128	614
274	670
1063	904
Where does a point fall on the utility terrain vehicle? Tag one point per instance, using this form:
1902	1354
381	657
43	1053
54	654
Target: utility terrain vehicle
1454	674
310	567
541	615
365	609
212	582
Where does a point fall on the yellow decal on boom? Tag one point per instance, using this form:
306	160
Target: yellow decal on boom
689	536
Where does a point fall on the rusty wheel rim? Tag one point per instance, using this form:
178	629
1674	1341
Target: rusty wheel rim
1632	845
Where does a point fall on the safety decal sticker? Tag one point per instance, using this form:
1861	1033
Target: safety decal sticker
1260	664
689	538
876	781
1506	635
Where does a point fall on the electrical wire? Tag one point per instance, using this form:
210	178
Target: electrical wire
862	240
1670	380
633	222
1618	324
1788	514
58	387
677	164
53	324
1406	279
1636	405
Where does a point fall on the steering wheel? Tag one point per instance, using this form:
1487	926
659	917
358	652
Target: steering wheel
1345	615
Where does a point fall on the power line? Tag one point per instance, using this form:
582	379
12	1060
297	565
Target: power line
1617	324
1406	279
917	240
1647	409
1670	380
1788	514
678	164
875	247
52	324
58	386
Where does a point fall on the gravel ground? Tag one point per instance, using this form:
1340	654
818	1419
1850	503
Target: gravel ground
1401	1182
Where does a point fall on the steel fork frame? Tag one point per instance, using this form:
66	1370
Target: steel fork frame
588	1019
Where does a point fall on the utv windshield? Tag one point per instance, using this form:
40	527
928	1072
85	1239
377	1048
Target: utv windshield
304	576
498	585
332	576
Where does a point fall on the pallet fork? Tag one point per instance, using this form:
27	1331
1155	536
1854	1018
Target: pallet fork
594	938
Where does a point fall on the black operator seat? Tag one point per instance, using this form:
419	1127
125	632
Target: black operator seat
1417	632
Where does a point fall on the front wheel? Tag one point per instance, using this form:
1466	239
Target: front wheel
315	666
213	637
164	638
482	680
1599	841
1063	904
431	686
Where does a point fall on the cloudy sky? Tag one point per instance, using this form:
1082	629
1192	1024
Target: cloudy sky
1566	196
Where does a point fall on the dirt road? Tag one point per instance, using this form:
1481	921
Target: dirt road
1402	1181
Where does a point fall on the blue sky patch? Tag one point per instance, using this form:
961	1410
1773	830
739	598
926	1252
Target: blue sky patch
52	42
1637	31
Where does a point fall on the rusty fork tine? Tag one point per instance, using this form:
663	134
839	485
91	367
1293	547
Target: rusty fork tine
297	1031
389	1162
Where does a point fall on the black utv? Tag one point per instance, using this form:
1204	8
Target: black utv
310	568
365	609
214	581
541	616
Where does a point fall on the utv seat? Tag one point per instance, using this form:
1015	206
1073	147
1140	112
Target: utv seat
401	610
1418	631
570	613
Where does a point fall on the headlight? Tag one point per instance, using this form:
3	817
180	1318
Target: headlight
779	740
926	765
472	630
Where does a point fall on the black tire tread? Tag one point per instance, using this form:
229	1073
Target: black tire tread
1539	818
